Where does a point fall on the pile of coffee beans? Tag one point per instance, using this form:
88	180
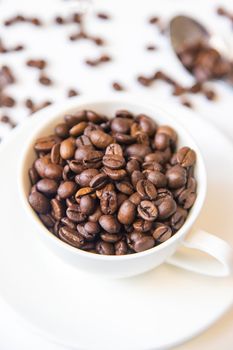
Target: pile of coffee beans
112	186
204	62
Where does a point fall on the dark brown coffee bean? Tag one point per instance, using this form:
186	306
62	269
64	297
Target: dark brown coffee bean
125	187
73	119
123	113
113	161
87	204
53	171
167	130
93	159
187	198
178	218
41	164
142	225
166	208
67	222
147	210
58	210
83	141
95	118
84	178
110	238
96	215
71	237
136	176
147	125
62	130
98	181
45	144
67	148
47	220
186	157
108	201
146	189
124	138
78	129
74	213
120	248
132	165
47	186
100	139
176	176
161	141
135	198
75	166
140	242
162	233
121	125
114	149
115	175
34	176
127	212
157	178
105	248
39	203
192	184
89	236
109	223
55	154
138	150
66	189
92	227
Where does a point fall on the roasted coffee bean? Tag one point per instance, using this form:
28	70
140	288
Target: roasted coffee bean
114	174
162	233
109	223
58	210
112	186
84	178
136	176
147	210
62	130
73	119
110	237
157	178
166	208
67	148
135	198
120	248
161	141
67	222
47	186
113	161
78	129
67	189
146	189
124	138
74	213
125	187
127	212
186	157
140	242
87	204
121	125
178	218
108	201
138	150
98	181
96	215
100	139
176	176
34	176
187	198
39	202
71	237
132	165
47	220
142	225
53	171
105	248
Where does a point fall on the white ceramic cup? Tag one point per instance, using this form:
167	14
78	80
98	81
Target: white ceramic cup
218	257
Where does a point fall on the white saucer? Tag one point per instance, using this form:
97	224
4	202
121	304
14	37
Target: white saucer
157	310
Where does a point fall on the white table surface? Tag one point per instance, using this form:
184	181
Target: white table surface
126	34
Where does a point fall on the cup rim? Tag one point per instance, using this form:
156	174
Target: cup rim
58	110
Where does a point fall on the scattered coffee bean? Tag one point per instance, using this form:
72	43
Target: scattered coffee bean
45	80
37	63
102	15
109	197
22	19
151	47
72	93
117	86
97	61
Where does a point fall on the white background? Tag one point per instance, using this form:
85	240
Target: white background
126	35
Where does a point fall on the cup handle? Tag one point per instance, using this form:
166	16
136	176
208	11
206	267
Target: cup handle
217	259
